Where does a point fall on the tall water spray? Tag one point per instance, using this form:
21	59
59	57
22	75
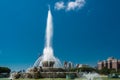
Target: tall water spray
48	53
49	30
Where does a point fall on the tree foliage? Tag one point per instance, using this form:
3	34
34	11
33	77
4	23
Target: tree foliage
84	69
107	71
4	70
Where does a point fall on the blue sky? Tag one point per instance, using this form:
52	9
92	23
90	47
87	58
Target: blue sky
83	36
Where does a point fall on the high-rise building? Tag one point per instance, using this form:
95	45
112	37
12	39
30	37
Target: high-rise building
110	63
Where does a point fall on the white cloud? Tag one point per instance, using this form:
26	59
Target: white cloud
71	5
77	4
59	5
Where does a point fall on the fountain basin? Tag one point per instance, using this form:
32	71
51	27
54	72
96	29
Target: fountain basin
48	63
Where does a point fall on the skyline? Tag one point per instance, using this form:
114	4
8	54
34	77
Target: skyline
80	36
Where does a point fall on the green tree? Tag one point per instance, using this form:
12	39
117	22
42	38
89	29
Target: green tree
118	71
87	69
113	71
83	69
4	70
105	71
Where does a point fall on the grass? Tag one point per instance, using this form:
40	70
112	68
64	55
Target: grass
104	78
37	79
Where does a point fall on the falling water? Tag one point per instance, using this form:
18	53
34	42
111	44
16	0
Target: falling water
48	54
91	76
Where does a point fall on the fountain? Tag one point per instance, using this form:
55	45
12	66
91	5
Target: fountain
47	65
48	59
11	76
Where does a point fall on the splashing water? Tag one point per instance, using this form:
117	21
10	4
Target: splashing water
48	50
91	76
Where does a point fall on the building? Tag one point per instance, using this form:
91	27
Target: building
68	65
81	65
110	63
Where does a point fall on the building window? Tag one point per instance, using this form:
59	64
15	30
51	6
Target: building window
110	65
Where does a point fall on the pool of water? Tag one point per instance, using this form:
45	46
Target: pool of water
4	79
